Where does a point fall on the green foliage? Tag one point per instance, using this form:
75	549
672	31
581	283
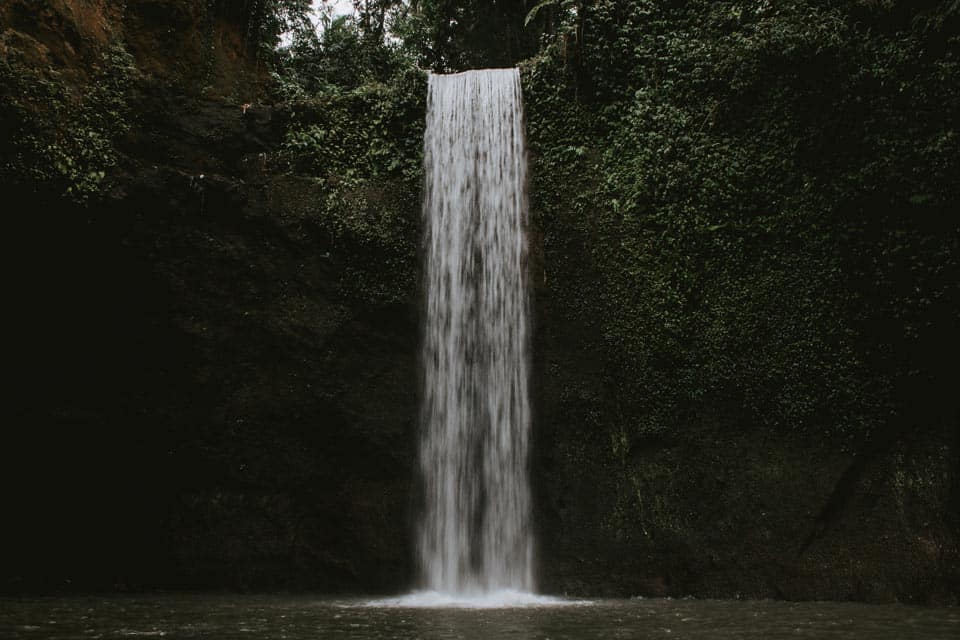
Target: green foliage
55	138
745	205
748	205
266	20
364	146
445	35
343	58
532	14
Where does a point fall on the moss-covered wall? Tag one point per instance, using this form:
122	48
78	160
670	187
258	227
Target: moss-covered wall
215	344
748	299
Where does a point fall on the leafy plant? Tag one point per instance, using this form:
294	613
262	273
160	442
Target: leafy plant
57	138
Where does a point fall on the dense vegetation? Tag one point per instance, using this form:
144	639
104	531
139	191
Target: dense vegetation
763	197
750	204
59	139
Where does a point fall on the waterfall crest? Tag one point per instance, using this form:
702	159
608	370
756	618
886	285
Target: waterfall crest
475	534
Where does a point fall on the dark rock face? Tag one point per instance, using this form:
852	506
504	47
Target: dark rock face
199	403
720	507
721	513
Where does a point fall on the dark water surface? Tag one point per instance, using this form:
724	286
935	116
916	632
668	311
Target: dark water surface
303	617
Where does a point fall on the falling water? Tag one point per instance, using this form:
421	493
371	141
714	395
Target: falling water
475	530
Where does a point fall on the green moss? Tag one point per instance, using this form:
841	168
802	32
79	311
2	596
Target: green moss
62	134
363	148
706	220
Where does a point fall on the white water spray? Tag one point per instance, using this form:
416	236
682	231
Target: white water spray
475	534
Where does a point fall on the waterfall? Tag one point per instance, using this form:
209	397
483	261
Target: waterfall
475	533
